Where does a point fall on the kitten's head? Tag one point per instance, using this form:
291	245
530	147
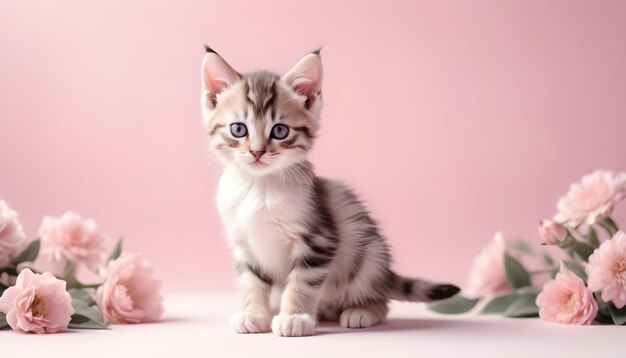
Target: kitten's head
261	122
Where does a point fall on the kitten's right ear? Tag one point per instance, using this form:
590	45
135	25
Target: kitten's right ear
217	75
305	78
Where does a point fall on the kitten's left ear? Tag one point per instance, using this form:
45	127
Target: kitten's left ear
217	75
306	79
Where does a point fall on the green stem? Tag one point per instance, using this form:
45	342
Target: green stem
612	224
609	226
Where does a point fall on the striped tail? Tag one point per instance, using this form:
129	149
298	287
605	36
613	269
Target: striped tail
415	290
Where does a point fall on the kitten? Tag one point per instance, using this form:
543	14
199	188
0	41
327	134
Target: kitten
306	238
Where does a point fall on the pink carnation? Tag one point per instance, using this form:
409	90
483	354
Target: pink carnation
607	270
37	303
593	198
567	300
12	238
71	238
130	292
487	277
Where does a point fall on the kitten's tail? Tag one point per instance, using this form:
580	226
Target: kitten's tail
416	290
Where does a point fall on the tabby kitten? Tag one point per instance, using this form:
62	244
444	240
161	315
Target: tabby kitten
305	240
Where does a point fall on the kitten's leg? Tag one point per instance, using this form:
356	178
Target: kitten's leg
256	316
362	317
298	306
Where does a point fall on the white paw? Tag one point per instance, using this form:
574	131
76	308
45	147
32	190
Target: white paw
247	322
358	318
295	325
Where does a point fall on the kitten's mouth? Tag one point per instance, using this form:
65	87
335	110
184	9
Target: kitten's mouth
258	164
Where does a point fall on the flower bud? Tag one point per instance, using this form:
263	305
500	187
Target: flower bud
552	233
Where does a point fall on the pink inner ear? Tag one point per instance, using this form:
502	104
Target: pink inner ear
217	75
309	91
305	78
304	88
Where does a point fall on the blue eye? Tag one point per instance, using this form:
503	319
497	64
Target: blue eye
238	130
280	131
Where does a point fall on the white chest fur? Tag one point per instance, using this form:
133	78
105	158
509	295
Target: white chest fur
262	216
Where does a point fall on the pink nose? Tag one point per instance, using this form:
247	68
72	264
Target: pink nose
257	154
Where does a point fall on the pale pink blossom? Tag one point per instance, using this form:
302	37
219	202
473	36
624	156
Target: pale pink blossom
552	232
73	239
37	303
130	292
487	276
592	199
606	270
567	300
12	238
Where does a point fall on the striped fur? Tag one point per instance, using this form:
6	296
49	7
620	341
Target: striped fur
309	239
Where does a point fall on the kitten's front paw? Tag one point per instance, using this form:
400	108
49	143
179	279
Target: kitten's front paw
294	325
358	317
247	322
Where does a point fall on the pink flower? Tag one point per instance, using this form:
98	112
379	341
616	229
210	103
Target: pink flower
487	276
593	198
37	303
12	235
130	292
551	232
71	238
607	270
566	300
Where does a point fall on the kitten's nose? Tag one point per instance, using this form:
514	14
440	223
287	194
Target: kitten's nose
257	153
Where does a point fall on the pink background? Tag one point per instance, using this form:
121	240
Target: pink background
452	119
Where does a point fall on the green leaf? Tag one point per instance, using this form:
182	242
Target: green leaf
547	259
2	288
522	246
117	251
77	285
81	295
83	309
87	325
528	290
453	305
523	306
515	272
3	321
576	268
592	237
85	316
29	254
79	319
500	304
618	315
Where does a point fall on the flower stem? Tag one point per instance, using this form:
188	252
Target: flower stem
612	223
609	226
